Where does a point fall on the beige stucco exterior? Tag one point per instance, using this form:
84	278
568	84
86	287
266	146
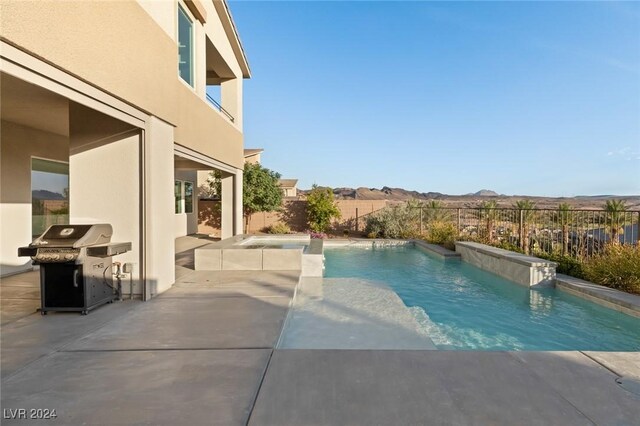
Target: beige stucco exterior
136	62
96	85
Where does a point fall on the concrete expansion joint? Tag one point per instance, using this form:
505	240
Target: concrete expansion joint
552	388
255	397
600	363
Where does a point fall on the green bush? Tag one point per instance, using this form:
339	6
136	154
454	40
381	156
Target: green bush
321	208
278	228
618	266
399	221
566	264
506	245
443	233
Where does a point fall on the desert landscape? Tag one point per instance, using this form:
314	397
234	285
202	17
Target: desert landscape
474	199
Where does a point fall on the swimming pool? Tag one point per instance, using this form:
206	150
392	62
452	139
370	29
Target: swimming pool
461	307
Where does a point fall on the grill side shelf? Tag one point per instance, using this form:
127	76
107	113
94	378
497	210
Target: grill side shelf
108	250
27	251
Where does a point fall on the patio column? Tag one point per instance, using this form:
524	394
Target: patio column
227	203
238	218
159	208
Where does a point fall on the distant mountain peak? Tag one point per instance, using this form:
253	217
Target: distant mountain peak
486	193
43	194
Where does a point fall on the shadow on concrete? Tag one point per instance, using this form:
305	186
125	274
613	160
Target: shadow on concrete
197	359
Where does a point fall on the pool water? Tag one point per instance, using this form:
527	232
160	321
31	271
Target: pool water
273	243
462	307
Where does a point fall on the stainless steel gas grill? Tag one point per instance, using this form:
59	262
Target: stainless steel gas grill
75	266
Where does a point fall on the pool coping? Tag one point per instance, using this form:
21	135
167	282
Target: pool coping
442	252
620	301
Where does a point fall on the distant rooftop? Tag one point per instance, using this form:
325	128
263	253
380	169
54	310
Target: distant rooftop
288	183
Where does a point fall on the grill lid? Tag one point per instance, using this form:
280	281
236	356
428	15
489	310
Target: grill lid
74	236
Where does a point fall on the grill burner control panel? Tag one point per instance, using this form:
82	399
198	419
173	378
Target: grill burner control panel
59	254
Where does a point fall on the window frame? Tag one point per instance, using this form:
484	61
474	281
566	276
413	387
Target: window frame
192	75
178	197
180	202
184	193
65	217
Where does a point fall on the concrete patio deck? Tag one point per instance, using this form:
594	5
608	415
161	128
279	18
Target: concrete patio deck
204	353
194	355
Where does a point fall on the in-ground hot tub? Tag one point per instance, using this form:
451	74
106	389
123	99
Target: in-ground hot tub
266	253
274	242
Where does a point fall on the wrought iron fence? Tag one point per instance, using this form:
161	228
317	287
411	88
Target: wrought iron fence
571	232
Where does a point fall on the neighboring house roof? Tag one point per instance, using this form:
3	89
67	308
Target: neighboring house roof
288	183
252	151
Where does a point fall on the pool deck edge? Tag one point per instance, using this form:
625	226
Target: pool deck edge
614	299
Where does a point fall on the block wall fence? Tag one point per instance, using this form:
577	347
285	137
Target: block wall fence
293	213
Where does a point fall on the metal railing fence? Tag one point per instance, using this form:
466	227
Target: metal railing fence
577	233
219	107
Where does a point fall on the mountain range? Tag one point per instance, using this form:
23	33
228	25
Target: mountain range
475	198
43	194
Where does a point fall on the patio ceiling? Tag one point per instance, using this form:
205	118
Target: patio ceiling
30	105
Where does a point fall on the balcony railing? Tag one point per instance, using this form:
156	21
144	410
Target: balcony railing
219	107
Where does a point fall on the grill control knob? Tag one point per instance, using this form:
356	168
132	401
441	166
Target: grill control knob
68	256
55	256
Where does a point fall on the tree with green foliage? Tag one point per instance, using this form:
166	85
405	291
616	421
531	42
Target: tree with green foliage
526	215
615	218
260	191
321	208
212	188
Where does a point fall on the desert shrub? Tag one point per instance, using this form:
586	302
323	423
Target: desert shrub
507	245
441	233
618	266
278	228
373	226
399	221
566	264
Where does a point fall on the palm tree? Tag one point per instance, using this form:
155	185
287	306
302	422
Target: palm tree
434	211
564	218
488	212
616	217
527	215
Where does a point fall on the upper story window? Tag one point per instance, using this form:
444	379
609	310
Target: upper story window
185	46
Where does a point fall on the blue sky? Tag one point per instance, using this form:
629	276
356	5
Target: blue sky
521	98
